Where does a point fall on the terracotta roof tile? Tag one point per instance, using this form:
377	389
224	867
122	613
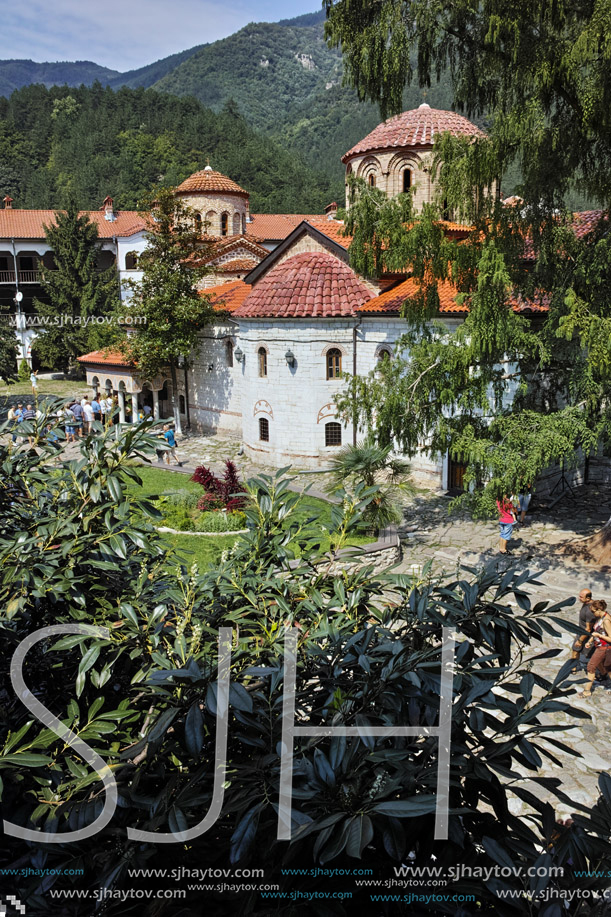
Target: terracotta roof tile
277	226
332	228
391	302
30	224
309	285
106	358
237	264
418	127
207	181
227	297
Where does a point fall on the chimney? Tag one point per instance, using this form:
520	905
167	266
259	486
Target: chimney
331	210
108	208
8	203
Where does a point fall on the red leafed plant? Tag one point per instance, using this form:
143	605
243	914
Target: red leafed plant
220	492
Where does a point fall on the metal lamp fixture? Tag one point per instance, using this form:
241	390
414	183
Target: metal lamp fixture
239	355
289	356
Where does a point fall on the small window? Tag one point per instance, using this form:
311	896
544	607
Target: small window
384	354
183	409
131	261
224	224
229	352
333	434
262	362
197	222
407	179
243	224
372	181
334	363
264	429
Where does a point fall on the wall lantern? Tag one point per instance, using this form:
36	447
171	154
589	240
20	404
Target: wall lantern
289	356
239	355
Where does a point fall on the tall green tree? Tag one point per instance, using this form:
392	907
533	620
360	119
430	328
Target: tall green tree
8	352
76	290
507	392
171	310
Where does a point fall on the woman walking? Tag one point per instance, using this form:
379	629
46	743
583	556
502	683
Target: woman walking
507	519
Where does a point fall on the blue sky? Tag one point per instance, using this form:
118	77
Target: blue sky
125	34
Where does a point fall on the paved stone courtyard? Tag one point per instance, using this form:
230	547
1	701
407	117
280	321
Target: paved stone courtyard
429	532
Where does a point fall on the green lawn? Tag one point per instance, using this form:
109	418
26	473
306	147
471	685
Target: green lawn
205	550
58	388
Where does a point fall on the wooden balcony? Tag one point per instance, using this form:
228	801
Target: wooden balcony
24	277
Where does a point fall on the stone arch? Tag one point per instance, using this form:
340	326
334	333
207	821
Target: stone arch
369	168
330	346
211	223
382	349
327	412
131	261
396	168
262	407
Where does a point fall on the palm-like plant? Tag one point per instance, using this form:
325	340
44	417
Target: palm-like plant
373	466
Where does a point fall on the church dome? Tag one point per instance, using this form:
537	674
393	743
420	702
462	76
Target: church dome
207	181
309	285
417	127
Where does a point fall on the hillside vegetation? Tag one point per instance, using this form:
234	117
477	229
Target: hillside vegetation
89	142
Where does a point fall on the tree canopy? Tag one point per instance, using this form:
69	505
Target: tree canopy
526	379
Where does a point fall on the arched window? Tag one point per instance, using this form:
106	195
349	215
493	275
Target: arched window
243	224
407	179
211	224
224	224
131	261
236	224
333	434
197	222
372	181
229	352
384	354
334	363
262	362
264	429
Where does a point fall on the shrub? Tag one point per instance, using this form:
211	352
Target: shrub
220	492
23	374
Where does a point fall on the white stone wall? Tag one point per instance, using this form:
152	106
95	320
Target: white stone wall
297	401
214	397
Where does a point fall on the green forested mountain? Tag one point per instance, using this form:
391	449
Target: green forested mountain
14	74
89	142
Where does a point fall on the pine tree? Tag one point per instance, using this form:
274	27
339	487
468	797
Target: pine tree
76	290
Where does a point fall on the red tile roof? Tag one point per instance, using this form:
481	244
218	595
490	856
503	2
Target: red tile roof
309	285
392	300
207	181
227	297
276	226
237	264
30	224
418	127
332	228
105	358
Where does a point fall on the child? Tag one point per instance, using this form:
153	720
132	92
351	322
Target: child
168	435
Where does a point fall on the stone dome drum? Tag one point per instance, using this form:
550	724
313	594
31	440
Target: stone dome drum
396	156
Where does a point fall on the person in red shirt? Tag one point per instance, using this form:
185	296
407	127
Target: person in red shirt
507	519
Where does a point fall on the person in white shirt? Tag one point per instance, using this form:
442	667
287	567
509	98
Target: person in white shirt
87	415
